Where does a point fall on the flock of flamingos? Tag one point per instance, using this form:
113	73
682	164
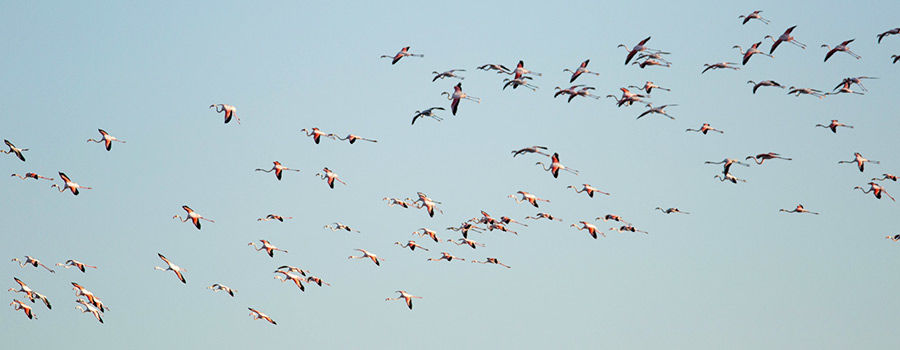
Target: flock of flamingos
639	54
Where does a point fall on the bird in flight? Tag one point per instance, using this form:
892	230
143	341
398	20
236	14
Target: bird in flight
894	31
784	37
842	47
352	139
14	150
799	209
876	190
106	138
316	134
32	176
501	69
258	315
590	190
229	111
278	169
448	74
834	125
754	49
271	217
764	83
582	69
556	166
720	65
406	297
75	263
330	177
458	95
705	128
753	15
31	261
404	52
859	160
762	157
267	246
528	197
671	210
217	287
171	267
367	255
191	215
591	229
657	110
491	261
427	113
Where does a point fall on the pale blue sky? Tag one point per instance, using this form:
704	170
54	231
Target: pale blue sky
735	273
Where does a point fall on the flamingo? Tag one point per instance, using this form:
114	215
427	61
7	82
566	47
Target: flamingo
727	164
69	185
507	220
485	218
288	275
13	149
396	201
886	177
648	87
217	287
317	134
834	125
192	215
501	227
876	190
352	139
498	67
752	15
465	227
367	254
657	110
427	233
403	53
762	157
754	49
30	293
547	216
627	228
458	95
427	113
627	97
704	129
229	111
337	226
806	91
593	230
720	65
293	269
446	256
764	83
556	166
841	47
587	188
859	160
258	315
32	176
728	177
528	197
895	238
448	74
519	82
799	209
567	91
844	89
846	82
894	31
466	241
317	281
412	245
520	71
784	37
637	48
671	210
612	217
87	308
651	62
584	92
582	69
80	291
271	217
427	203
75	263
278	169
491	261
33	262
532	149
657	55
268	247
330	176
172	267
18	305
406	297
107	139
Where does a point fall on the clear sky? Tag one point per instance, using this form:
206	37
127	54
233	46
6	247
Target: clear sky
735	273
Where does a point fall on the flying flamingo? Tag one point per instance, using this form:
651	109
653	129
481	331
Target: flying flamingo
841	47
466	241
556	166
271	217
784	37
567	91
278	169
330	176
458	95
491	261
727	164
520	71
403	53
587	188
671	210
288	275
532	149
637	48
258	315
13	149
317	281
294	269
844	88
651	62
217	287
465	227
613	218
88	308
337	226
268	247
33	262
83	292
229	111
368	255
754	49
806	91
171	267
316	134
657	110
628	98
528	197
18	305
507	220
886	177
191	215
764	83
648	87
498	67
720	65
593	230
584	92
30	293
846	82
582	69
396	201
501	227
427	233
547	216
32	176
799	209
352	139
728	177
107	139
75	263
704	129
446	256
427	203
895	238
834	125
69	185
427	113
894	31
627	228
876	190
762	157
448	74
752	15
657	55
406	297
412	245
519	82
859	160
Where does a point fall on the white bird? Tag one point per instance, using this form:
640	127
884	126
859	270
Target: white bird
405	296
171	267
